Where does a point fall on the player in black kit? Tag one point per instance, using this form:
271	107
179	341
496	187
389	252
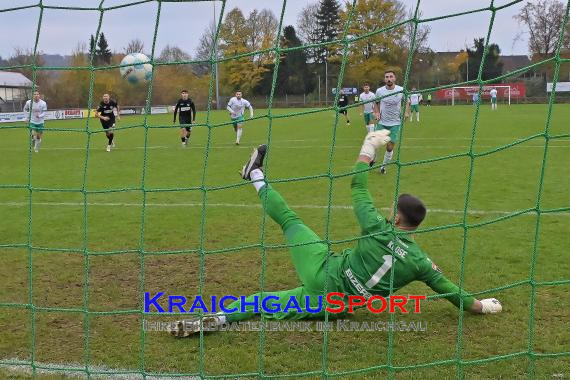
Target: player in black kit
187	116
343	102
107	112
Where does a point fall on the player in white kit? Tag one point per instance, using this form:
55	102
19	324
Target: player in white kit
388	111
367	97
36	108
493	94
414	104
236	107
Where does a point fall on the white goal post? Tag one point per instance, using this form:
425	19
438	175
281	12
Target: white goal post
469	90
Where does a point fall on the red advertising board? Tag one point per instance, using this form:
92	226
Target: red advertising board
72	114
518	90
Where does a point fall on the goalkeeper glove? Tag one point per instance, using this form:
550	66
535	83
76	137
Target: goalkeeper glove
373	141
491	306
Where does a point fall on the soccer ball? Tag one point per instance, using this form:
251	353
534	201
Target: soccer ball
139	72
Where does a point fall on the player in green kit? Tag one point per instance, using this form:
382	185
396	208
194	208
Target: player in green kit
385	253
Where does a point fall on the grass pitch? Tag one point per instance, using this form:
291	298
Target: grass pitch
68	201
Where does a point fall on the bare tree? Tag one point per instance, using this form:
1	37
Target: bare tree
422	33
205	47
173	54
543	19
134	46
308	29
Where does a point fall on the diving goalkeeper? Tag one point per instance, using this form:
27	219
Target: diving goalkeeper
383	251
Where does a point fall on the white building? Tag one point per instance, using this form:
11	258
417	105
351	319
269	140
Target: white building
15	89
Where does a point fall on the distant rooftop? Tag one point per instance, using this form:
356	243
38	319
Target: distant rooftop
513	62
11	79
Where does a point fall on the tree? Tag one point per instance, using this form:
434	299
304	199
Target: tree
419	43
308	29
92	46
328	21
205	48
103	53
293	76
239	35
173	54
543	20
25	57
262	29
370	56
134	46
492	68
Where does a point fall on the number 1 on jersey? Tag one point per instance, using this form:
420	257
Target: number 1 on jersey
376	277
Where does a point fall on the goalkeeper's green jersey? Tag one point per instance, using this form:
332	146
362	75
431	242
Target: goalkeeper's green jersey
366	269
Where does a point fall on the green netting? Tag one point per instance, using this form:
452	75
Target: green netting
458	361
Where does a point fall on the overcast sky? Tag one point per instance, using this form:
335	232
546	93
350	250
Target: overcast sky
182	24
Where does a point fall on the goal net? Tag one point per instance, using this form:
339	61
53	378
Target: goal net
58	296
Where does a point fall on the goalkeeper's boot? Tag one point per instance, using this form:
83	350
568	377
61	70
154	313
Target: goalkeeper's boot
255	161
188	327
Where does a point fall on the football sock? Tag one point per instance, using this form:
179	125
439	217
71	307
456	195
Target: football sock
370	128
183	139
418	116
221	318
387	157
257	179
38	143
238	134
110	137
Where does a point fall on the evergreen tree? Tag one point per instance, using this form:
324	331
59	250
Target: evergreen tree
93	50
103	52
328	20
294	75
493	66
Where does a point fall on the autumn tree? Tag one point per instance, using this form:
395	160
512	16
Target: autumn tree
370	56
238	36
261	31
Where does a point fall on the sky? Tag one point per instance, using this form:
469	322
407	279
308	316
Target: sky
182	23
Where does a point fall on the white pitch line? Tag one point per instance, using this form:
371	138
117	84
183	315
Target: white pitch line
214	147
256	206
62	370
